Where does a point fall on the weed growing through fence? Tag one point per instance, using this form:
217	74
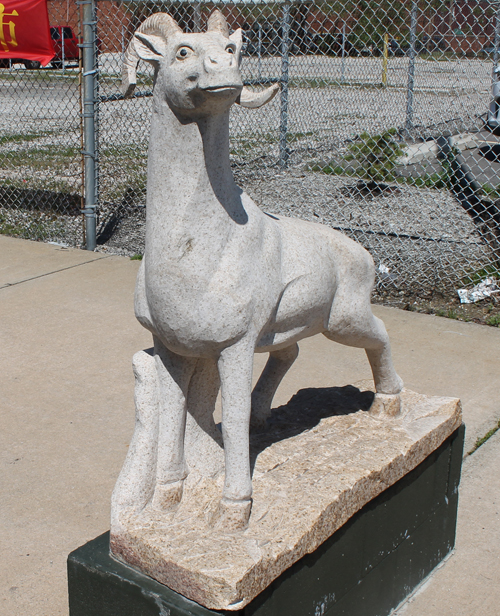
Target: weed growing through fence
376	159
436	181
475	277
493	192
377	155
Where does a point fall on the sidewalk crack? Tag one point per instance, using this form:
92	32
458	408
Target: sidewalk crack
62	269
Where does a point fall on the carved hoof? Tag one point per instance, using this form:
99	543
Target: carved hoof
232	515
386	405
167	495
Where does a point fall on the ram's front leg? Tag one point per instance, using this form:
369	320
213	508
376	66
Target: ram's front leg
235	370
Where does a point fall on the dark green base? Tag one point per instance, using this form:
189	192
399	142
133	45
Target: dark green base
365	569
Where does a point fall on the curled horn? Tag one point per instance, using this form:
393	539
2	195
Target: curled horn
160	24
252	100
217	23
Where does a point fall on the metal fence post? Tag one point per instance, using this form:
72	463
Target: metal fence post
385	60
197	17
62	51
342	69
259	50
411	68
89	53
285	50
496	43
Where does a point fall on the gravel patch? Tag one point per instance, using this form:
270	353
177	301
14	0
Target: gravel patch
421	240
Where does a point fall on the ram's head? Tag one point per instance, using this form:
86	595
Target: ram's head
197	73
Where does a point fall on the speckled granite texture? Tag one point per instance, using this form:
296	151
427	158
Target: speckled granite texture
321	459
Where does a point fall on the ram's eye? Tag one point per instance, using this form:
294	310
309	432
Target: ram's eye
230	49
183	53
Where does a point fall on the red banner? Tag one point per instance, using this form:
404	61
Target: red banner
24	30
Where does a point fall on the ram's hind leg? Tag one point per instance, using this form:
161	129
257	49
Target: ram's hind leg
388	384
277	366
357	326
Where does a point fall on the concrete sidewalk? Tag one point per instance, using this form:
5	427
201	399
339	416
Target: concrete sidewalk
67	338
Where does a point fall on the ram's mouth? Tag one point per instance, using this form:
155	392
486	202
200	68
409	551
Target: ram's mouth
223	89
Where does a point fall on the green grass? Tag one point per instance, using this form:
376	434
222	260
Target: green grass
242	145
7	228
50	184
39	75
293	137
475	277
136	257
50	157
335	170
112	79
449	314
322	82
483	439
438	56
124	173
493	192
136	152
37	228
494	320
435	181
23	137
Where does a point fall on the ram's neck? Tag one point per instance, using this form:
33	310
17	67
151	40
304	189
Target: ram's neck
188	165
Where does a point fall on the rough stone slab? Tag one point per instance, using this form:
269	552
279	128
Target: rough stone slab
321	460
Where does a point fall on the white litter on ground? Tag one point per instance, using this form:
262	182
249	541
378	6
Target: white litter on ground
486	288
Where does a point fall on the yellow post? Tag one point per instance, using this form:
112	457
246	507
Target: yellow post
384	60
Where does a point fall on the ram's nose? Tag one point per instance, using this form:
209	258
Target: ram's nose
215	62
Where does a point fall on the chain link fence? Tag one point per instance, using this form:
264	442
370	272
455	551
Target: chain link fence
384	128
41	139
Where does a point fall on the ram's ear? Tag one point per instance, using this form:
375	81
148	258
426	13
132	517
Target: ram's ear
237	38
149	47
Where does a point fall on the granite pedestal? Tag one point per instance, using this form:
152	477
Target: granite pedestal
366	568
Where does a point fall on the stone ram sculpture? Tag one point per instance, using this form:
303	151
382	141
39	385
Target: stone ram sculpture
221	280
